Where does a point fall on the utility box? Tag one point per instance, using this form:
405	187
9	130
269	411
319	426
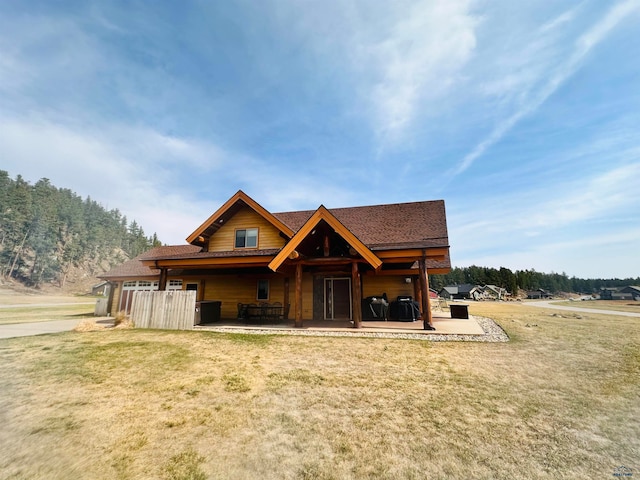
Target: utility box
459	310
209	311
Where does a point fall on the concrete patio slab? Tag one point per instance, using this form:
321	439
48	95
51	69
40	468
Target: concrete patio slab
443	323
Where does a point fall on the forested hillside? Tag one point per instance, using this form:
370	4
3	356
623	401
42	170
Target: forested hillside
46	231
525	280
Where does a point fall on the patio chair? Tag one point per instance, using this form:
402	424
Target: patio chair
276	312
264	312
250	310
242	311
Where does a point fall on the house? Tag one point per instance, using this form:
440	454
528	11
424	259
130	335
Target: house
622	293
493	292
538	294
321	263
634	291
462	292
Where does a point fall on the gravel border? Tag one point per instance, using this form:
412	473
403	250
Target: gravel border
492	333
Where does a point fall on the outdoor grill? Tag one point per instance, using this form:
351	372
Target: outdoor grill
404	309
375	308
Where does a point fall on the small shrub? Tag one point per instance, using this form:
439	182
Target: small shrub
88	326
119	318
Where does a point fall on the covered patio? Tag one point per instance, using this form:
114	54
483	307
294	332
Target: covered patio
442	322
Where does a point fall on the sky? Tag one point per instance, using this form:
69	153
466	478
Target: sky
523	116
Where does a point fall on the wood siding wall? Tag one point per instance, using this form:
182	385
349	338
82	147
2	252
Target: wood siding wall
392	286
224	239
234	289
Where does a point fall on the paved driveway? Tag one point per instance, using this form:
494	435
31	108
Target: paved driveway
40	328
36	328
545	304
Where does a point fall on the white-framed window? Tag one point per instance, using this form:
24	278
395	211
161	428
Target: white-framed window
174	285
139	285
263	290
246	238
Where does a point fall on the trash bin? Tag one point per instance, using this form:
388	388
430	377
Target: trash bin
209	311
459	310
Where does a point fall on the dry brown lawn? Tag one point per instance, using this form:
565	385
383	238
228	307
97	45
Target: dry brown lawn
618	305
560	400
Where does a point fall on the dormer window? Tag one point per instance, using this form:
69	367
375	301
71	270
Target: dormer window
247	238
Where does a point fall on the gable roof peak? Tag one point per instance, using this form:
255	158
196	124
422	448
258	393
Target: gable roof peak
322	214
228	209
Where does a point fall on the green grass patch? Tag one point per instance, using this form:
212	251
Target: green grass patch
185	466
249	338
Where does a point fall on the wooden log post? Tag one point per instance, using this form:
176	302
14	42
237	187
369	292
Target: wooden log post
286	300
298	318
417	291
162	283
424	287
356	295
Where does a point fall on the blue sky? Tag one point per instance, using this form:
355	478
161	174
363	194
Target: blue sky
523	116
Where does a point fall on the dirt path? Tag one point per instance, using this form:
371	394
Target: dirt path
547	304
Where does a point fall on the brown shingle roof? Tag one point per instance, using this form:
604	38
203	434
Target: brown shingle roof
391	226
398	225
235	253
169	250
135	268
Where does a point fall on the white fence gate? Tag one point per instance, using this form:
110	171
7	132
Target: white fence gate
102	305
168	309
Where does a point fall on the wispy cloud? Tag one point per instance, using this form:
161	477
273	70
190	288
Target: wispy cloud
566	203
420	59
555	77
136	166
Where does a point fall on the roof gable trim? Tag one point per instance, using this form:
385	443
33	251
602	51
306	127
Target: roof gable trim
323	214
255	206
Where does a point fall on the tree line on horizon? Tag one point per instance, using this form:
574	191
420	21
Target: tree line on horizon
45	231
525	280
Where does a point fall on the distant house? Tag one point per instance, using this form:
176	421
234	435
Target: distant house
538	294
462	292
494	293
633	290
322	263
607	293
623	293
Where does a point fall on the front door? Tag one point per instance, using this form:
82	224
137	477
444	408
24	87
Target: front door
337	299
